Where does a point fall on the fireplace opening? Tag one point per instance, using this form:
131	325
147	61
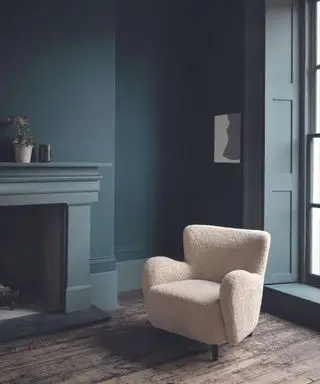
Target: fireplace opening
32	259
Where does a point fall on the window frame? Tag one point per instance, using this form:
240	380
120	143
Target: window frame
310	103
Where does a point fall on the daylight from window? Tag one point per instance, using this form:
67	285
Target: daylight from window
315	179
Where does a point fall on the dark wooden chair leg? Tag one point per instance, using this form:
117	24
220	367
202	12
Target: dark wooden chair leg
215	352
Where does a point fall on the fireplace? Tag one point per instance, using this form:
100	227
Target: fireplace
45	214
32	257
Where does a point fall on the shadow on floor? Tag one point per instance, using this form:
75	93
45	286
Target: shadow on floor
143	343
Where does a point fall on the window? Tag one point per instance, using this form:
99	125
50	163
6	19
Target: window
313	151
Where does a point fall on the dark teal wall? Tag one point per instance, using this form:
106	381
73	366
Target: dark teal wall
170	68
226	94
177	64
58	67
152	100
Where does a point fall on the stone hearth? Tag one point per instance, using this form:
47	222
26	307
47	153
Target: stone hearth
65	193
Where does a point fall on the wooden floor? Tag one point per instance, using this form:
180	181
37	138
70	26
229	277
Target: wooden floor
127	350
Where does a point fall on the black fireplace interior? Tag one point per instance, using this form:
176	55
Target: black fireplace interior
31	255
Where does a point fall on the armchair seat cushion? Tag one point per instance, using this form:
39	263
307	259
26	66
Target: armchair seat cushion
190	308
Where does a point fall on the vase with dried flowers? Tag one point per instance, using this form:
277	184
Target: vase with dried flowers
23	142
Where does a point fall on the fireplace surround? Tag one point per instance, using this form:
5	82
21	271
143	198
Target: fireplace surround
58	197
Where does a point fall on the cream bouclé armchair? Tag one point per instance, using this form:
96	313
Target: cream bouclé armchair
215	295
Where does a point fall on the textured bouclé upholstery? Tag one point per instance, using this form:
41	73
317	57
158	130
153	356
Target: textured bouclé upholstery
240	301
189	308
215	295
215	251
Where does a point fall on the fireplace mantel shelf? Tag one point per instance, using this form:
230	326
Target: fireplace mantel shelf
69	183
76	185
55	164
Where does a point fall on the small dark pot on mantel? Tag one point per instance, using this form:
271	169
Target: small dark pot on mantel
44	153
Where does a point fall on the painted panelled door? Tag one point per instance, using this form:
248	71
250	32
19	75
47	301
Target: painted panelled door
282	139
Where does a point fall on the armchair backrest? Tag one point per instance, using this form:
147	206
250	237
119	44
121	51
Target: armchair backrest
215	251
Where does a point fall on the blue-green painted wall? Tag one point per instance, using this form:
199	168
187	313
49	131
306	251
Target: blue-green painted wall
226	93
153	96
134	83
177	64
58	67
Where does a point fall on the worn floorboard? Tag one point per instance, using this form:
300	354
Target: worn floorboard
128	350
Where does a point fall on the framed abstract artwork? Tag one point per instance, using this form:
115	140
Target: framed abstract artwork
227	138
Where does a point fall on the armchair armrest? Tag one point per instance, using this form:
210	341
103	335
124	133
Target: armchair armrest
161	269
240	300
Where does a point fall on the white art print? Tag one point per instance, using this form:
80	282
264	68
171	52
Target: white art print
227	138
